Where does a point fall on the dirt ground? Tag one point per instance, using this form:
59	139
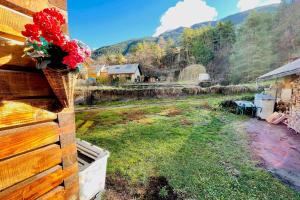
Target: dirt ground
278	149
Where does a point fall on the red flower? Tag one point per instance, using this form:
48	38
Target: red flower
49	16
71	46
55	14
76	54
32	32
56	38
73	60
47	24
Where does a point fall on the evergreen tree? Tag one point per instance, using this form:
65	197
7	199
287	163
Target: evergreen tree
287	32
253	53
211	47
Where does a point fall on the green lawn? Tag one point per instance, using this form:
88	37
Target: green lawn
202	151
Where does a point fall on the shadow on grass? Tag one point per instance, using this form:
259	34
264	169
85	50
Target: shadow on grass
214	163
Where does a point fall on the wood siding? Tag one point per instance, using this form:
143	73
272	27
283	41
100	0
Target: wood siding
38	154
12	55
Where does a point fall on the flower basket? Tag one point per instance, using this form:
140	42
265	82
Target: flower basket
57	55
62	83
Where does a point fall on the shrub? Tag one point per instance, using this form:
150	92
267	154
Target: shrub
103	80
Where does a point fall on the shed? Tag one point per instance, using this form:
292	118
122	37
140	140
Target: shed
131	72
288	90
38	156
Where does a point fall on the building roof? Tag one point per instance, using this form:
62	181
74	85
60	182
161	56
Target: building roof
123	69
286	70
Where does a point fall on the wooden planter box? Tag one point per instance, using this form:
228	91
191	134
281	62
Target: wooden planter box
92	164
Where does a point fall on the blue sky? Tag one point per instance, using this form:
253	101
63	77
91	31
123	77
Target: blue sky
104	22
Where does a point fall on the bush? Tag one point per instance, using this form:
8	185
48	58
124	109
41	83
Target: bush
103	80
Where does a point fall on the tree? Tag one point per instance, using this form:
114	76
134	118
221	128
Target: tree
111	59
287	32
253	53
147	54
210	46
224	39
120	59
198	44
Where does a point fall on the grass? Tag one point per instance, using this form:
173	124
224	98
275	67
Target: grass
202	151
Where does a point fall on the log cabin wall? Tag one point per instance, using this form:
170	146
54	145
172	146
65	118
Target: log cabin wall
38	155
294	122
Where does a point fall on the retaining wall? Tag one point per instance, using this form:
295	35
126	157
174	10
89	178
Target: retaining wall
93	96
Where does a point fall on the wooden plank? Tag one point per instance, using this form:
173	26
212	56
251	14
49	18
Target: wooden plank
36	186
28	7
68	128
12	23
67	139
12	54
69	171
21	167
19	140
55	194
72	193
66	120
69	155
28	84
18	39
71	175
21	112
40	184
62	4
69	181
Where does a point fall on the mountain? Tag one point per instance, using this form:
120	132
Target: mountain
121	48
124	47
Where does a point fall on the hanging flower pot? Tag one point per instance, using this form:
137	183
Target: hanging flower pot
57	56
62	84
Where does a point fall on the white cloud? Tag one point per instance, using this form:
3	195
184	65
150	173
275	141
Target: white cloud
250	4
185	14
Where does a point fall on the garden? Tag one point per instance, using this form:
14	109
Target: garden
184	148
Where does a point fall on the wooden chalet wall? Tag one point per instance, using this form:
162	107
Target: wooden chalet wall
38	155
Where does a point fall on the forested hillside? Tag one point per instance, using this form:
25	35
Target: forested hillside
124	47
265	42
233	51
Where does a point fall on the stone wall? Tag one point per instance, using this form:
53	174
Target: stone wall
294	121
93	96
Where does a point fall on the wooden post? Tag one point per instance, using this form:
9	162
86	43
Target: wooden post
66	121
